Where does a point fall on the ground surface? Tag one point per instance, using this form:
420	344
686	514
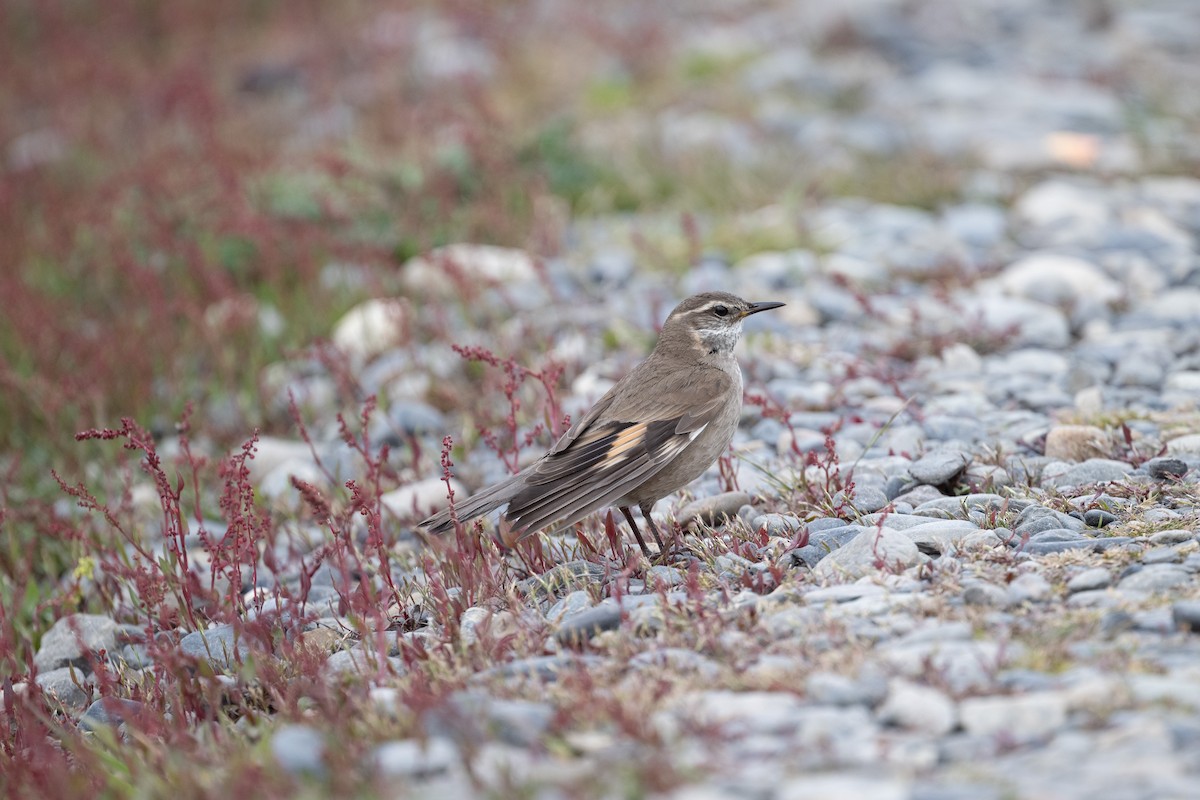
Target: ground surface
954	551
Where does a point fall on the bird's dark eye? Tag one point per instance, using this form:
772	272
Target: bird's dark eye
721	311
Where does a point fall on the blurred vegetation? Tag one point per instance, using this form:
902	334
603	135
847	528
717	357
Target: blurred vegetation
181	183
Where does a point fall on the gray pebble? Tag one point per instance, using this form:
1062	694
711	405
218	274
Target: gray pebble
72	638
982	593
573	603
220	646
664	575
1098	518
1090	579
784	525
920	708
1094	470
831	688
65	686
1173	536
1029	588
413	760
1166	554
1019	718
299	749
1186	615
819	545
579	628
1166	468
1156	578
713	510
939	467
110	711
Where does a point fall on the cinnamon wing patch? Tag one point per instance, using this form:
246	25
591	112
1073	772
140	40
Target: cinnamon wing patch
601	449
598	468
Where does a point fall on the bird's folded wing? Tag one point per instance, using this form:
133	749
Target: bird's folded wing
616	450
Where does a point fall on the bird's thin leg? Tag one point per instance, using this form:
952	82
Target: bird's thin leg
645	508
641	542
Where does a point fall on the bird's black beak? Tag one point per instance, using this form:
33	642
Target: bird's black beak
757	307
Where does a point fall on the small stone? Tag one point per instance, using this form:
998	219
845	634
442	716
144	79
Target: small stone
1060	280
220	646
1077	442
371	327
299	749
1020	718
1166	469
1172	536
982	593
447	270
778	524
71	640
1094	470
836	786
360	661
576	630
831	688
572	575
1155	578
1046	548
961	665
665	576
575	602
62	685
939	467
1098	518
869	552
1035	519
110	711
1186	615
919	708
941	536
1089	580
1184	445
713	511
867	500
676	661
1166	554
1029	588
541	668
414	760
419	499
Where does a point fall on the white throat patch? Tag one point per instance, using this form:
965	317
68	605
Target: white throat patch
720	339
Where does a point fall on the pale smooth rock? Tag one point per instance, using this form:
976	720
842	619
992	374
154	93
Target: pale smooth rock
273	451
1184	444
1061	204
371	327
420	499
1090	580
1063	281
1020	718
919	708
871	551
446	269
843	786
414	760
1077	443
62	685
944	535
962	665
1024	322
67	641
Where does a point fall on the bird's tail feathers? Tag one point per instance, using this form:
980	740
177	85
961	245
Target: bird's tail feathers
478	504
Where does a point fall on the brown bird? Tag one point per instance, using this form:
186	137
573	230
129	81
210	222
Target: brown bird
657	430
